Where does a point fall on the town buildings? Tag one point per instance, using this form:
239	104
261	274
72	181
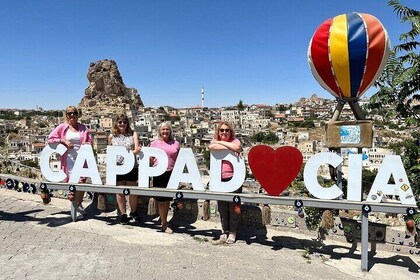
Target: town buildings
300	124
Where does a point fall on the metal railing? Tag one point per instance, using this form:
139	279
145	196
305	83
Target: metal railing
298	202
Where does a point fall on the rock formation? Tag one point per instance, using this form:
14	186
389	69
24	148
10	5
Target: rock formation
107	92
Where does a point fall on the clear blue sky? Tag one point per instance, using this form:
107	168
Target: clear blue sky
255	51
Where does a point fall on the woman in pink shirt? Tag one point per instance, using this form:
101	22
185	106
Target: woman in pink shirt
71	134
224	139
166	142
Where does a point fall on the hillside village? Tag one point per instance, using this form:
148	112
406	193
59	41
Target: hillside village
300	124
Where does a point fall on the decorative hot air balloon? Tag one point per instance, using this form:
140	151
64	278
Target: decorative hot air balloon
347	53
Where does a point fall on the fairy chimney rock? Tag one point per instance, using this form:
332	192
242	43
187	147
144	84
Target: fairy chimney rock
107	92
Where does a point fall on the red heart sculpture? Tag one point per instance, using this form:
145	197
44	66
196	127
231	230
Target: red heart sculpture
275	169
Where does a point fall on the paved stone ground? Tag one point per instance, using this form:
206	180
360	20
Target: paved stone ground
41	242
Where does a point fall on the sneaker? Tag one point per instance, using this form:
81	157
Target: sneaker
79	217
168	230
81	210
231	239
222	240
124	219
223	237
135	216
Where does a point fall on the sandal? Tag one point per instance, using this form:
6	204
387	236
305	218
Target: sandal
231	239
222	239
167	230
81	210
124	219
135	216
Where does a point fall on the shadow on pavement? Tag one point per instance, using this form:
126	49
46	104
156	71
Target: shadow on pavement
28	216
338	252
251	236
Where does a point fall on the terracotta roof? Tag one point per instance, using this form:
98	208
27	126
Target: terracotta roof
39	145
261	105
280	115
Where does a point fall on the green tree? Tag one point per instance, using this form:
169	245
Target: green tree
30	163
367	180
393	126
240	105
411	161
282	108
206	156
271	138
166	117
308	124
410	156
257	137
266	138
298	186
400	81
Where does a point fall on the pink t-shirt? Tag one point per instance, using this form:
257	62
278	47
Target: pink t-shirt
171	148
227	167
60	133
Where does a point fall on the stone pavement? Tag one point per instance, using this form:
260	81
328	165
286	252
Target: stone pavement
40	242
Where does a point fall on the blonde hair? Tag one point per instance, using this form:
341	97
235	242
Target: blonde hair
121	117
228	124
171	136
72	108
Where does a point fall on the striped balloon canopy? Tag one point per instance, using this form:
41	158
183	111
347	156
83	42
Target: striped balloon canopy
347	54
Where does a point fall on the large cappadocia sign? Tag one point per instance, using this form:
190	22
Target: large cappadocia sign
274	170
346	55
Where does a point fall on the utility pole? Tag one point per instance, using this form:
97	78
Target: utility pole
202	96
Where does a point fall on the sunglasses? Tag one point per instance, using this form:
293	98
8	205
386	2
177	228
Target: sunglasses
224	130
72	113
122	122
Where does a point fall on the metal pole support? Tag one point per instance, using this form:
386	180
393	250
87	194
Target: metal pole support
365	242
357	111
340	177
337	110
73	210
